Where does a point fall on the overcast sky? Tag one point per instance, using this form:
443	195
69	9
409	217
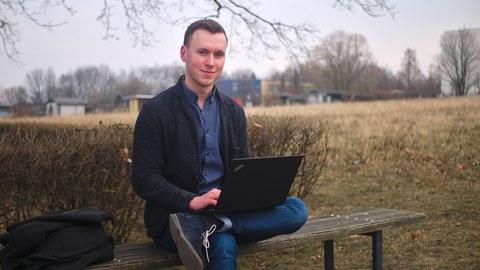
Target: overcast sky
418	25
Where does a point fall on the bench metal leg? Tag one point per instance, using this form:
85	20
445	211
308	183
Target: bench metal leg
328	254
376	249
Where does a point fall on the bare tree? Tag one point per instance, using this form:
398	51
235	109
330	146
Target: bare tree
15	95
102	97
310	71
432	85
65	86
131	84
293	80
95	84
410	75
375	79
255	31
342	59
460	60
158	78
89	79
40	84
476	83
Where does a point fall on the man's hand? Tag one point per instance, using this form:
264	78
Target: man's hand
207	199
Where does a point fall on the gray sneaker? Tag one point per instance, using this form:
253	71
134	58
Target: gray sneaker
190	233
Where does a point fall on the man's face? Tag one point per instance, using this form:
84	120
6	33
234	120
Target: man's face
204	60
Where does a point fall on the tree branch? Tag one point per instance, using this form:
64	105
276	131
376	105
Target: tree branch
9	33
252	29
266	32
374	8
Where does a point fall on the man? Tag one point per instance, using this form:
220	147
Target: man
184	140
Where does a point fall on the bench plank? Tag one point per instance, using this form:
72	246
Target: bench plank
339	225
317	229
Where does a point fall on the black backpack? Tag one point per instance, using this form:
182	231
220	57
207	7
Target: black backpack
69	239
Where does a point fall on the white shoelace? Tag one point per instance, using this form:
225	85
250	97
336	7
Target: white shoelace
205	236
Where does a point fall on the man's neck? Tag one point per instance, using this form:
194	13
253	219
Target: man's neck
202	93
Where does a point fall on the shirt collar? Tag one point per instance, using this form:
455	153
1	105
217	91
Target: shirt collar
192	97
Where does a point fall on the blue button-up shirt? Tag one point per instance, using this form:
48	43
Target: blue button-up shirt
208	126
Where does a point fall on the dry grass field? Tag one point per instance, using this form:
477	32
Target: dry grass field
420	155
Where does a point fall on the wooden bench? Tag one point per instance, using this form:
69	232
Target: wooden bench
369	222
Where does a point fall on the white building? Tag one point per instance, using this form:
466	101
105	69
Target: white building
4	111
319	96
446	86
65	107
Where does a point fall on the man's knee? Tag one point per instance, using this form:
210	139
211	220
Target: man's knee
299	209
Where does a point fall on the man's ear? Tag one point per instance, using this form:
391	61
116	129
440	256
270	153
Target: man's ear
183	53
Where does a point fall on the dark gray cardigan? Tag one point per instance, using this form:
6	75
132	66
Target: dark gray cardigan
166	156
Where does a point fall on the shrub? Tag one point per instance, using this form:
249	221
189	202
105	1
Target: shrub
292	135
48	167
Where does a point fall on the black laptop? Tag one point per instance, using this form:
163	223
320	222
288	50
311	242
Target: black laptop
253	183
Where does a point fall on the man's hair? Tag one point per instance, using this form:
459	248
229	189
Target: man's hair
205	24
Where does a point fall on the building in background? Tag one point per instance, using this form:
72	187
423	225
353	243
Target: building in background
4	111
247	93
65	107
136	102
318	97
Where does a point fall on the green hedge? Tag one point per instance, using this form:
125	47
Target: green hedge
45	167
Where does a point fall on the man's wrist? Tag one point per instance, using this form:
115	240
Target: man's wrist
191	204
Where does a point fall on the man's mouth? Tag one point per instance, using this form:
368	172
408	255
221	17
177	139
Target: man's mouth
208	71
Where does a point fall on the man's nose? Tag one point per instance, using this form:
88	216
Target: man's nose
209	61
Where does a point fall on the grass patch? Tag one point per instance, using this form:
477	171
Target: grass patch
418	155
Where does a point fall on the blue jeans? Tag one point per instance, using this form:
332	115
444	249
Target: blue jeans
247	227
